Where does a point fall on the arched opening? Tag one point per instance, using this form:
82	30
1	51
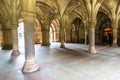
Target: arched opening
51	35
21	36
77	31
54	31
103	28
106	32
37	32
74	36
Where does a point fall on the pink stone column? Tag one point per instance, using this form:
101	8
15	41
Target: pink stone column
28	8
30	64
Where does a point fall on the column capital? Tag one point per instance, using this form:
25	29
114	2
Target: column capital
28	16
92	23
14	26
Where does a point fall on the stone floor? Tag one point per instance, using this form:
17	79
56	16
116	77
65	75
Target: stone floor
71	63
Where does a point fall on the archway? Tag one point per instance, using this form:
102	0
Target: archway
77	31
74	36
52	34
54	31
37	32
103	28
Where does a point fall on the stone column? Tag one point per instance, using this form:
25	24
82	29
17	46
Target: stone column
115	37
45	38
115	27
67	35
52	36
15	51
86	37
7	39
62	38
1	35
86	32
92	37
30	64
28	13
62	32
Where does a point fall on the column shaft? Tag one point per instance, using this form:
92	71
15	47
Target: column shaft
115	27
86	37
92	37
30	62
45	38
115	37
15	42
62	38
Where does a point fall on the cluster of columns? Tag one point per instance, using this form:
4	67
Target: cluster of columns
10	36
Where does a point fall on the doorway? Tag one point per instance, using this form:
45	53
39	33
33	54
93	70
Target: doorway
106	31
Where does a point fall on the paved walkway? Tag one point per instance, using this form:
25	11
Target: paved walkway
71	63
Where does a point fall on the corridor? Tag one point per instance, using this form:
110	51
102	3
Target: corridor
71	63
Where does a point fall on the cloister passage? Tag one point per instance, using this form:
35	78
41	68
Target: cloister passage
59	39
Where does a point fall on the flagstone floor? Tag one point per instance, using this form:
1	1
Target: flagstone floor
71	63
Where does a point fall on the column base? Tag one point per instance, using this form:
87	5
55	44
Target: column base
92	50
15	52
7	47
115	45
62	46
30	66
45	44
85	43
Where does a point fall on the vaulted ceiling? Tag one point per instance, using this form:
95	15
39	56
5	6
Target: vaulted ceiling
54	8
